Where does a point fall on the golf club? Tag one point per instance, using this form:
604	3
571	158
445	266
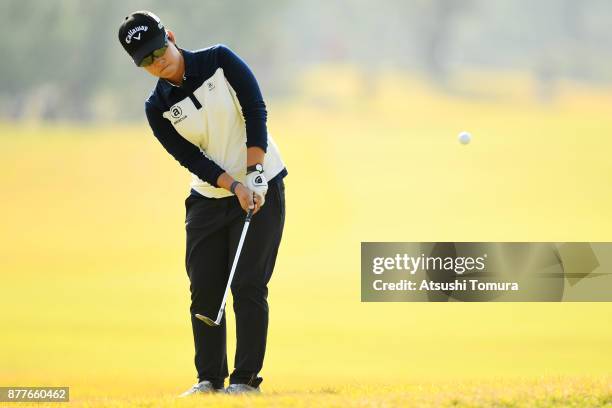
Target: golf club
208	320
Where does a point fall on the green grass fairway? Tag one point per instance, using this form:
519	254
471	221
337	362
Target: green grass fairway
94	294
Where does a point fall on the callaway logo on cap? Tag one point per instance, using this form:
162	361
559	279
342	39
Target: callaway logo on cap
132	33
141	33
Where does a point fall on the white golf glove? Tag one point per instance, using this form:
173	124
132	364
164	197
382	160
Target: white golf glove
256	181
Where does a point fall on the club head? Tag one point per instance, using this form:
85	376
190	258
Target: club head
206	320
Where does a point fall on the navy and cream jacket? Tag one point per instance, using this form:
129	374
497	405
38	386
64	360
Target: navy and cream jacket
208	122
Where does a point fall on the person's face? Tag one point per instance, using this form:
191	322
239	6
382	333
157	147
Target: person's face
168	64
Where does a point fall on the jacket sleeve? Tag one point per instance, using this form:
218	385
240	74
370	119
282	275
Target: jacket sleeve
185	152
241	78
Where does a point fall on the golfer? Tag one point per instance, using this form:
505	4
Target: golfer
207	111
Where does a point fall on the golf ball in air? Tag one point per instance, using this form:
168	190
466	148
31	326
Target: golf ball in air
465	137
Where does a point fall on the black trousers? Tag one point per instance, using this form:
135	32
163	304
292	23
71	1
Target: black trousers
213	229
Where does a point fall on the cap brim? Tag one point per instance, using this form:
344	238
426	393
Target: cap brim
148	47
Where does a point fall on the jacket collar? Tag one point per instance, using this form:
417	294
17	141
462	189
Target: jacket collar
191	66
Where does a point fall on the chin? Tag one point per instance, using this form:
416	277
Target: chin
167	72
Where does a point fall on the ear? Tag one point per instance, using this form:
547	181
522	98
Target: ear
171	36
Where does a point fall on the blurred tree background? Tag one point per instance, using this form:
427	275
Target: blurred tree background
61	59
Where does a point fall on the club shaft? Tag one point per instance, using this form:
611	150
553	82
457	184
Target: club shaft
234	264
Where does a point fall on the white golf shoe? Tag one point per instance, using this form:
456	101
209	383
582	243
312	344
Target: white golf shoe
203	387
242	389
